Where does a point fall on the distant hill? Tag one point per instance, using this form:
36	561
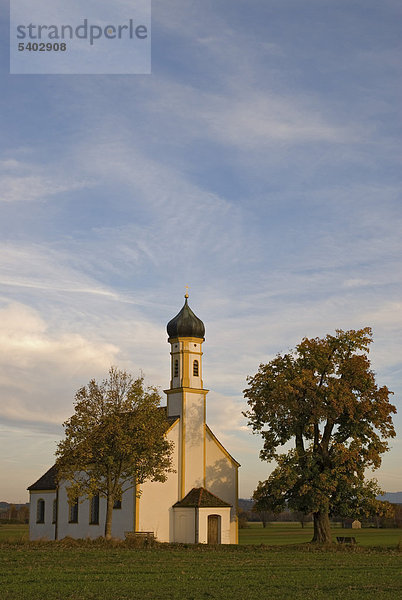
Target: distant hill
393	497
246	504
6	505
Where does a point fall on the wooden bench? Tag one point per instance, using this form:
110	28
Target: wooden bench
149	535
346	540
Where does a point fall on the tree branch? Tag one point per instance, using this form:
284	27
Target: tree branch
327	435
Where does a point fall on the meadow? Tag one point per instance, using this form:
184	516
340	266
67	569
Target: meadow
81	570
283	534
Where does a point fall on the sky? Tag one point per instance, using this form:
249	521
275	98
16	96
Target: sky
259	163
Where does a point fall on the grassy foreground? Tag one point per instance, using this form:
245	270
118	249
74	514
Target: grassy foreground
94	570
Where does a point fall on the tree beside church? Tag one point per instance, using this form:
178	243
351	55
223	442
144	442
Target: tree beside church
197	503
323	398
114	441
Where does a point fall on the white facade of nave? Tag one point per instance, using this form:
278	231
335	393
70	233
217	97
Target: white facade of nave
198	501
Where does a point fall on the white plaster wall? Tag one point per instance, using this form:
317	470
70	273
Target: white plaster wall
193	423
221	480
64	528
224	513
174	404
122	520
156	500
184	530
44	530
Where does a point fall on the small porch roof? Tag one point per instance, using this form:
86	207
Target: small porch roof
201	498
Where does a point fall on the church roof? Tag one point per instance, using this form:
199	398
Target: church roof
186	324
201	498
48	481
170	420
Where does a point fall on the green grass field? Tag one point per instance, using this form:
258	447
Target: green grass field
85	571
13	533
281	534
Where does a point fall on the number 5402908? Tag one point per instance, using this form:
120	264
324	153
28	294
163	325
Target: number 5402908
42	47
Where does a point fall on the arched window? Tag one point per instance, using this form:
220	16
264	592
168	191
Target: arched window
40	511
94	512
176	368
195	368
73	512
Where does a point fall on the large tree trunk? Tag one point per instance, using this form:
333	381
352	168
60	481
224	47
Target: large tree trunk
322	530
109	513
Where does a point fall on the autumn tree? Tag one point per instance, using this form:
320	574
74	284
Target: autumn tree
323	398
114	441
265	516
301	517
397	508
242	518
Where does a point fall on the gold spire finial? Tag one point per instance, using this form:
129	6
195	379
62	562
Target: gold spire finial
186	294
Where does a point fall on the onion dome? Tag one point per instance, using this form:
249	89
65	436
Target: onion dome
186	324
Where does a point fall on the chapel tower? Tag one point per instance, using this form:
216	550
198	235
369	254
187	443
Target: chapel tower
186	397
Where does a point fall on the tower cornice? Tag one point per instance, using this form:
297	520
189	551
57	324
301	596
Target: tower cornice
182	338
187	390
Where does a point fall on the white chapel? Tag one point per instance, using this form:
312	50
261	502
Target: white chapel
198	501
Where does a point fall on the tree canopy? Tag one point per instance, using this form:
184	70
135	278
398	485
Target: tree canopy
114	441
323	398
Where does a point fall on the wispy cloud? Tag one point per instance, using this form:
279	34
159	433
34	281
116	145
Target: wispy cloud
24	182
43	268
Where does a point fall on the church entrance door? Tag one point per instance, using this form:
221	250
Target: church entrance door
213	529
